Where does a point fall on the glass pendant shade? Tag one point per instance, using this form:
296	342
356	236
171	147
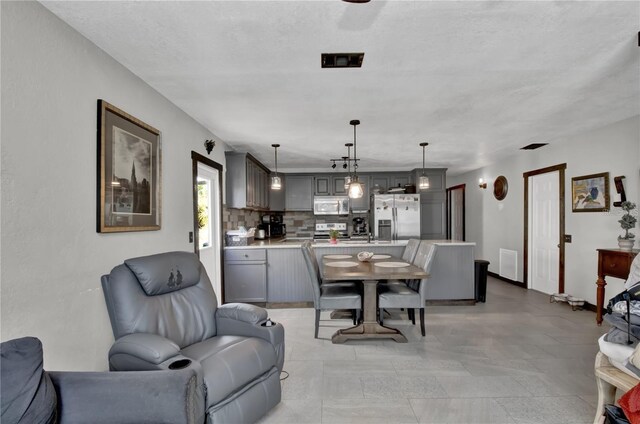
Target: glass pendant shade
423	183
276	183
356	189
347	182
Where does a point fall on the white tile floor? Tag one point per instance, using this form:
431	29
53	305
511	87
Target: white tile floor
515	359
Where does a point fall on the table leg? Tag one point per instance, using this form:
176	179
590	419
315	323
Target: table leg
601	283
369	328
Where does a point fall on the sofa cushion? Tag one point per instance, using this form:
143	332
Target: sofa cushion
231	362
28	395
166	272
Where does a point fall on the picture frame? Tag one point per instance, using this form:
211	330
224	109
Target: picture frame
129	172
590	193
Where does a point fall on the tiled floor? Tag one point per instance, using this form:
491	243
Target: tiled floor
515	359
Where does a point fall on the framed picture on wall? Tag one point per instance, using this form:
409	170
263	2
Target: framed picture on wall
129	177
590	193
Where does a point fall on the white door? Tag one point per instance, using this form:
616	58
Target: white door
544	232
209	224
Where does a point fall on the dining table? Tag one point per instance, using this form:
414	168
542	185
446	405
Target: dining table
379	267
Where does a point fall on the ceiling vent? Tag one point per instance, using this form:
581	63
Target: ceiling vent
342	60
534	146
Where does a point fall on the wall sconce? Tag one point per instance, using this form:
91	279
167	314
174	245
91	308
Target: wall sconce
482	183
209	145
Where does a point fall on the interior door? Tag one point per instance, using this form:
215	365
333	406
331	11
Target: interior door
544	232
207	187
456	213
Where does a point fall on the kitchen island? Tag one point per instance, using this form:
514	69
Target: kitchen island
273	271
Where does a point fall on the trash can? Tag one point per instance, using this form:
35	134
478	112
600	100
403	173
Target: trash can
481	269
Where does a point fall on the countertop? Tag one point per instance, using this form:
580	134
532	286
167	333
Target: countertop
296	243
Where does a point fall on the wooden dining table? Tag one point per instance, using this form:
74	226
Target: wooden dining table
380	267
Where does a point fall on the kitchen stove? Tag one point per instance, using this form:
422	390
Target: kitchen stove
322	230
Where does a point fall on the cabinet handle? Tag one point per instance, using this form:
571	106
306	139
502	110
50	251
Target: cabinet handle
246	256
613	265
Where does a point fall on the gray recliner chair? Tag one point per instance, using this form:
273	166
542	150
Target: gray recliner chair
31	395
165	315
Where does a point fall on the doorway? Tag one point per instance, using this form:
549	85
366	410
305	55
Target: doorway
544	229
207	218
456	213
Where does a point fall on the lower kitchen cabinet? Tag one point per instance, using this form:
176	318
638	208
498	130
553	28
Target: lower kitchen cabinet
245	275
287	277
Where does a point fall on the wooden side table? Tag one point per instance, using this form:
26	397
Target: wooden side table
611	263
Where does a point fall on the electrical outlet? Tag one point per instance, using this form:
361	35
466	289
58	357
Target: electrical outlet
567	238
190	236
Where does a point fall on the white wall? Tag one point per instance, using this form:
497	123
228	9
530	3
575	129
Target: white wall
496	224
52	258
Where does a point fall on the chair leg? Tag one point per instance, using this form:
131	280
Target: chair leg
412	315
358	315
317	322
381	316
422	321
354	316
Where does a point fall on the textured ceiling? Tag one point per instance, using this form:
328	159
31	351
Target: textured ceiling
477	80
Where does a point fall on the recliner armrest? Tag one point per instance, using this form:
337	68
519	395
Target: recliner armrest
240	319
129	397
242	312
150	348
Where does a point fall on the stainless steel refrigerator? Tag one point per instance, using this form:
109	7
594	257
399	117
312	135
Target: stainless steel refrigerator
395	216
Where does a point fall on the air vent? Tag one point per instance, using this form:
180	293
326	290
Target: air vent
342	60
534	146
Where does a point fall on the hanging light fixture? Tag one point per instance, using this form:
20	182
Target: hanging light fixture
347	179
356	188
276	181
423	182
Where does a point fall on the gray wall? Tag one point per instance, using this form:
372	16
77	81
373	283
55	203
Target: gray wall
494	224
52	257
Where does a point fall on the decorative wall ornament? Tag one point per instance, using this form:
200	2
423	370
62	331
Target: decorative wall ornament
209	145
500	187
590	193
129	175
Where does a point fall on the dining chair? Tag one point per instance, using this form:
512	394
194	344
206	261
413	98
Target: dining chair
329	296
408	255
411	295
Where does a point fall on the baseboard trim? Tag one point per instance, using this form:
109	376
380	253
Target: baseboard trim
507	280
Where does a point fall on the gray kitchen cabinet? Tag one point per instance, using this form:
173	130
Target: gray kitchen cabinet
329	185
287	276
246	182
433	204
245	275
299	193
322	185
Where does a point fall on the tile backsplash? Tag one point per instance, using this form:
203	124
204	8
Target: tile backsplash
299	224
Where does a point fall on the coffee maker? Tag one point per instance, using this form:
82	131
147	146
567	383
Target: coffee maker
359	226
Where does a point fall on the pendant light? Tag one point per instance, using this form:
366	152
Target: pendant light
356	188
276	182
347	179
423	182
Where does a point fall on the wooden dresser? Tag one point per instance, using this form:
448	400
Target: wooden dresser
611	263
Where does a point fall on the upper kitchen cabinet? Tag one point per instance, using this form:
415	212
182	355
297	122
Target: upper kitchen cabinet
329	185
388	180
247	182
299	192
433	204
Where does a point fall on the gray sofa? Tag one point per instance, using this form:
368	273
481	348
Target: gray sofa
31	395
165	315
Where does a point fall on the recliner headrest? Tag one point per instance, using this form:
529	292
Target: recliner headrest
165	272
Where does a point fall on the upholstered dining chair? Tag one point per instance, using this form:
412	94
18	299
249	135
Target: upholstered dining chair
161	322
413	294
329	296
408	255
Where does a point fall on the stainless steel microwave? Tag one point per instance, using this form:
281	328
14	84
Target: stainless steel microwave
331	205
